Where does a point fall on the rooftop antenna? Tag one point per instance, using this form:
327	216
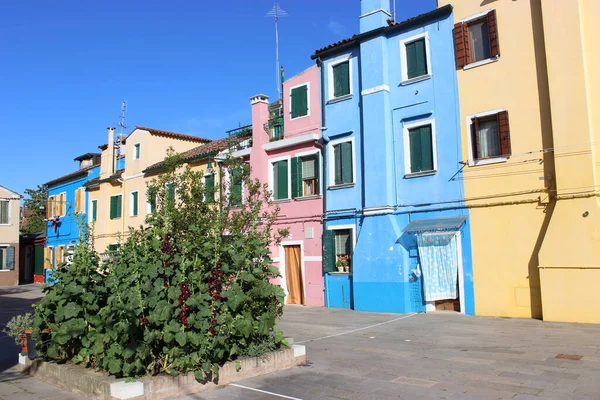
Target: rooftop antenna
122	120
277	12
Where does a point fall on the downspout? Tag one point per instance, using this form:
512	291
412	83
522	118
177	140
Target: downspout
323	142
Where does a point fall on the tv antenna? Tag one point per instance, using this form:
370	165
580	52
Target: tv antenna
277	12
122	120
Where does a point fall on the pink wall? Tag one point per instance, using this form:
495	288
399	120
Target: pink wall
301	214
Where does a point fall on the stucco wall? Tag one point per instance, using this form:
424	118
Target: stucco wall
9	235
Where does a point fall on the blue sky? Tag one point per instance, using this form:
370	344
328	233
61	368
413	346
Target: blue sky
182	65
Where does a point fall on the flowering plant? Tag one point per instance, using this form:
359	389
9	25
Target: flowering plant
343	261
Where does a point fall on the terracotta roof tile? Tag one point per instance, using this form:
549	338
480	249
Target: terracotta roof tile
173	135
71	175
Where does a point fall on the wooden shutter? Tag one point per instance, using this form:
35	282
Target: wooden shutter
77	205
119	206
337	161
113	207
299	100
94	210
416	59
341	79
414	138
49	207
134	206
461	45
282	179
328	251
10	258
475	138
493	34
297	177
347	176
63	204
171	192
49	257
236	187
209	188
317	175
504	130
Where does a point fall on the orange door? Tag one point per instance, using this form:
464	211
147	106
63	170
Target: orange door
293	275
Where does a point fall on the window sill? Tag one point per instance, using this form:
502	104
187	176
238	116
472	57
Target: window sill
418	174
312	197
342	186
415	80
480	63
282	201
338	99
6	270
486	161
298	117
340	273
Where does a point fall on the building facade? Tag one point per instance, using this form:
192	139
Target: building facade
394	209
286	154
66	212
9	236
117	197
529	144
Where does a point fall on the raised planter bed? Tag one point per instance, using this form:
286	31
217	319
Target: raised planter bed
99	385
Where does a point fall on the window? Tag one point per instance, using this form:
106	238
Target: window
338	247
80	200
7	258
115	206
343	160
209	188
57	205
299	102
133	204
489	136
305	176
419	147
151	202
136	151
60	255
4	212
48	257
94	210
236	195
280	180
340	79
415	57
476	39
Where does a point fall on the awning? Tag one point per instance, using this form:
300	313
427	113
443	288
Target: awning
435	224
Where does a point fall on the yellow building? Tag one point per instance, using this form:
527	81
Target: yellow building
117	199
528	81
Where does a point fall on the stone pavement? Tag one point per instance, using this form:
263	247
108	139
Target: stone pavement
355	355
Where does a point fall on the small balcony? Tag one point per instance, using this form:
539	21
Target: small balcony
243	137
275	129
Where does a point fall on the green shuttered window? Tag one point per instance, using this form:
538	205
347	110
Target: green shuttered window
236	188
299	101
280	180
134	204
209	188
329	257
170	193
7	258
115	206
416	59
341	79
421	149
342	158
94	210
305	176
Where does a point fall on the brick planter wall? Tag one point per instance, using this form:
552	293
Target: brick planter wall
99	385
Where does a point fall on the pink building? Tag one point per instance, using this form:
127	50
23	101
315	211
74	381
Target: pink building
286	153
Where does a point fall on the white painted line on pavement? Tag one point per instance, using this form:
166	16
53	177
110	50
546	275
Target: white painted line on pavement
359	329
264	391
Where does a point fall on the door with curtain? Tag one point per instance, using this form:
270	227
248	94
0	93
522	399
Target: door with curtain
293	275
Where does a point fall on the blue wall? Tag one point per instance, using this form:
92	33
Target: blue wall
67	231
384	200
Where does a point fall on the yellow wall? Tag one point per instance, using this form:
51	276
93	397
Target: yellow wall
570	254
153	149
505	232
9	235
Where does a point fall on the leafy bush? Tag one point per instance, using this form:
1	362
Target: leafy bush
187	292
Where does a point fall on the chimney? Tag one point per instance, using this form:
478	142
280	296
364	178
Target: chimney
374	14
107	167
260	136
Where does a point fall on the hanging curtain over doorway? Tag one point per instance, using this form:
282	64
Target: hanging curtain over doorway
293	275
439	265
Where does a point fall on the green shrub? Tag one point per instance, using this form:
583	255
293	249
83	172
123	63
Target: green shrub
17	326
187	292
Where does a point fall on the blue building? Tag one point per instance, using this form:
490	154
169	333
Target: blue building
394	201
67	201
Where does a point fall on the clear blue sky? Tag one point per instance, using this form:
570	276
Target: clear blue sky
187	66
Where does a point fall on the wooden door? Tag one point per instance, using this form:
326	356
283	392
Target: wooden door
293	275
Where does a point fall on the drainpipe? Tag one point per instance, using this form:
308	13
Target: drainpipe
323	137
